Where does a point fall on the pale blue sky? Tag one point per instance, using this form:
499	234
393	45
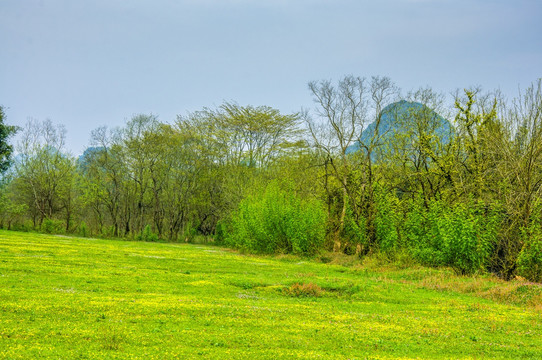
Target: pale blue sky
91	63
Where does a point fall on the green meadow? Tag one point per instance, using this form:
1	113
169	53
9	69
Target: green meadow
78	298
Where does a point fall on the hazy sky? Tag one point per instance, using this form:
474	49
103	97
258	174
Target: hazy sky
85	64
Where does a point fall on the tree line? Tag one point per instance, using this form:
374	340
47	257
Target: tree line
361	173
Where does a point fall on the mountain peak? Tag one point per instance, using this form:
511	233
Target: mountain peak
399	117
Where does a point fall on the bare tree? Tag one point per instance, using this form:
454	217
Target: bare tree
519	171
343	114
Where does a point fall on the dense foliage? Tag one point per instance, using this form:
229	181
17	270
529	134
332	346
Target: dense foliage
278	221
6	149
456	185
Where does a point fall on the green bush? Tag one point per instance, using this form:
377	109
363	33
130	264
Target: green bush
25	226
107	231
148	235
51	226
277	221
83	230
387	222
469	235
414	231
530	258
220	232
461	236
354	232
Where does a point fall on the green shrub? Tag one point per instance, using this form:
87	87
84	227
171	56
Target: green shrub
277	221
148	235
83	230
107	231
529	261
387	222
354	232
25	226
414	230
460	236
51	226
188	233
220	232
468	235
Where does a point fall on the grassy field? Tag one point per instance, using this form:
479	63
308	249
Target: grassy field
73	298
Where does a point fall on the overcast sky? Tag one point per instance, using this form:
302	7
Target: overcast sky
85	64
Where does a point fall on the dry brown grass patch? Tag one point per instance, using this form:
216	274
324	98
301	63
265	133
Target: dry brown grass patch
304	290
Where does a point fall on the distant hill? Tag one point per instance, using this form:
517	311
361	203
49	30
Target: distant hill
85	158
400	117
